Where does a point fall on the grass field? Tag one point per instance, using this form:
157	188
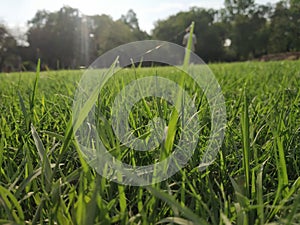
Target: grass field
254	179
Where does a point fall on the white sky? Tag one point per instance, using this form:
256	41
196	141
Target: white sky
15	13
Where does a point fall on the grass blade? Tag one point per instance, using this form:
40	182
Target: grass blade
9	202
37	77
46	167
246	144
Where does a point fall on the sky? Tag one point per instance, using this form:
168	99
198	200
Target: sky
15	13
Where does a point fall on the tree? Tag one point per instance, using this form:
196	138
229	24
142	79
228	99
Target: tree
261	32
8	51
52	37
109	34
239	7
68	39
248	30
295	24
281	29
130	19
209	33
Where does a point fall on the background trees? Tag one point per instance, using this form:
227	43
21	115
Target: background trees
285	27
242	30
210	34
252	30
68	39
9	58
52	37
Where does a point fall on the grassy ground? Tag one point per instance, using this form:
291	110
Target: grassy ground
254	180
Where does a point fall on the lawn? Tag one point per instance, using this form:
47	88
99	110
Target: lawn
254	179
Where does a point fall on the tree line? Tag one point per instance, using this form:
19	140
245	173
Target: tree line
67	39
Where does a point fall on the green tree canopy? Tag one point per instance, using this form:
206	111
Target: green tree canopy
8	50
242	30
209	33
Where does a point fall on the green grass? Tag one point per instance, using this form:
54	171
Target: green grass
44	178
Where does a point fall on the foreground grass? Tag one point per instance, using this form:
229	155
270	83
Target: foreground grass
254	180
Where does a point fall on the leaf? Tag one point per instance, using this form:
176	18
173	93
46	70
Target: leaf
88	105
171	201
10	203
46	167
176	220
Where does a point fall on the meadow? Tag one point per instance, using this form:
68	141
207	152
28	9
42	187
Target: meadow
255	178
